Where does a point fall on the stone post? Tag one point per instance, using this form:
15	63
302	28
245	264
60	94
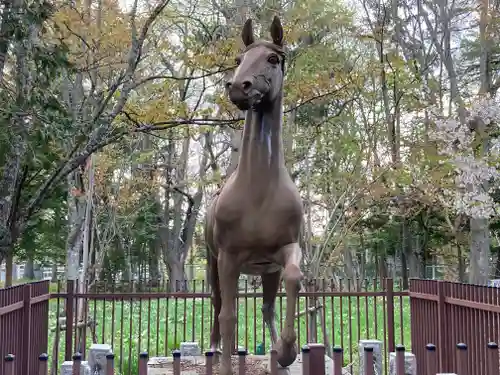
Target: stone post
97	358
377	346
410	363
190	349
67	368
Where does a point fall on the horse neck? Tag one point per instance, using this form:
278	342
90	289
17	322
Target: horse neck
262	155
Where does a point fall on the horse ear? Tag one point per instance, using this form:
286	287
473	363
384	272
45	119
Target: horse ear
277	31
247	33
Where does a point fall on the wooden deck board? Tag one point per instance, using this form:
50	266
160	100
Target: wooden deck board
163	365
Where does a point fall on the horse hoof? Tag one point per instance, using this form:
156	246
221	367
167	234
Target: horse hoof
287	353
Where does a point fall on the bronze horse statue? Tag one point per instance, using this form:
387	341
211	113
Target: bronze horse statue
253	223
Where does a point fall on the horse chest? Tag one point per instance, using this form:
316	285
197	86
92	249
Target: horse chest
271	223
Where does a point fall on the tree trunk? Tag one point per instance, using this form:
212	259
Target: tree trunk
177	276
29	271
9	269
479	261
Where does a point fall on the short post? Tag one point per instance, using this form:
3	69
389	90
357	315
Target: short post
305	360
338	360
110	364
462	358
77	363
431	359
242	354
42	364
400	360
209	362
177	362
143	363
9	364
377	346
368	360
274	362
316	359
493	359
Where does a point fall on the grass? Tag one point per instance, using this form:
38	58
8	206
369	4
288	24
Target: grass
159	325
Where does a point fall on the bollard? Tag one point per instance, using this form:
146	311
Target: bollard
9	364
242	358
305	360
338	360
110	363
42	364
316	359
400	360
209	362
462	358
493	359
143	363
177	362
368	360
274	362
431	359
77	363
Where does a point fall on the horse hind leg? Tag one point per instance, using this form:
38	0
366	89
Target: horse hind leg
215	336
270	286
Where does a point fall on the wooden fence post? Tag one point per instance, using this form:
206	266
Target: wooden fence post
493	359
9	364
26	330
389	289
441	327
430	358
42	364
70	297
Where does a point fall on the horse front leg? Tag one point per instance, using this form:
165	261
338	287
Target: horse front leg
287	346
228	283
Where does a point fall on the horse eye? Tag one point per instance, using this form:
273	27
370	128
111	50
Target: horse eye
237	61
273	59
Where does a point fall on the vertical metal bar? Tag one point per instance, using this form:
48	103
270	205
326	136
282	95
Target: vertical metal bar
389	283
493	368
274	362
70	300
42	364
462	359
400	360
338	360
77	363
143	363
209	362
431	359
110	364
242	354
9	364
177	362
305	360
368	353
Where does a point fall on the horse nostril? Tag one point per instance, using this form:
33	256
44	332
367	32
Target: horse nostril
228	84
246	85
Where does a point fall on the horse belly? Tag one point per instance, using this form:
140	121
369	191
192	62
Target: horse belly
255	267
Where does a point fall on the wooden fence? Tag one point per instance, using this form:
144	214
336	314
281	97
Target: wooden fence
24	319
443	313
313	362
446	313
